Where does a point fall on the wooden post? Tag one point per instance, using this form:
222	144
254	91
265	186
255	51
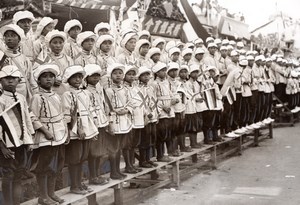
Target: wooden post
118	194
214	157
256	135
92	200
175	173
240	143
194	158
271	130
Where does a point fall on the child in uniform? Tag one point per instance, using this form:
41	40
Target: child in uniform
142	48
51	134
98	147
72	29
128	43
81	128
13	154
118	99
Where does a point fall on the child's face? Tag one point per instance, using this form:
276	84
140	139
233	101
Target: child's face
93	79
199	56
9	83
144	78
74	31
212	73
88	44
103	31
46	80
155	57
130	45
11	39
76	80
56	45
144	49
175	56
183	74
172	73
117	76
106	46
250	63
25	24
194	74
162	73
47	29
268	64
160	46
130	76
187	57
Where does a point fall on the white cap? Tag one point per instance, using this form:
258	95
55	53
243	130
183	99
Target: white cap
211	67
217	41
43	23
72	23
130	68
173	50
194	67
44	68
225	41
169	45
199	51
263	58
115	66
257	58
232	42
179	43
254	52
127	36
158	66
10	70
158	41
249	53
223	48
100	26
144	33
173	66
13	27
269	60
183	67
85	35
209	39
198	40
153	51
273	57
141	42
240	44
279	60
55	33
102	38
211	45
91	69
189	44
242	51
186	51
234	53
229	47
71	70
143	70
250	58
243	62
22	15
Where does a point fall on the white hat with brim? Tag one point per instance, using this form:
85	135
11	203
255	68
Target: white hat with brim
153	51
269	60
10	70
44	68
183	67
194	67
243	62
217	41
199	51
250	58
102	38
174	50
72	70
209	39
43	23
257	58
223	48
229	47
144	33
22	15
225	41
208	68
179	43
100	26
140	43
130	68
169	45
143	70
198	40
234	53
115	66
158	66
72	23
172	66
84	36
127	37
53	34
158	41
186	51
15	28
240	44
91	69
212	45
232	42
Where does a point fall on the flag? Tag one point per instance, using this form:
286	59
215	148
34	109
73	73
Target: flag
12	125
230	96
210	98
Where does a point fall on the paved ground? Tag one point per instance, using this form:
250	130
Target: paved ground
264	175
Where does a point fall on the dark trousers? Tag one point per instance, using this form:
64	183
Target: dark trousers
253	106
245	111
260	104
237	111
226	117
209	117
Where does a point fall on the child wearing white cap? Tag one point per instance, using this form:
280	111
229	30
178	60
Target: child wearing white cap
46	25
13	150
24	19
81	128
138	123
128	43
51	134
141	49
165	109
174	55
223	66
72	29
153	57
99	110
186	56
13	35
148	141
86	40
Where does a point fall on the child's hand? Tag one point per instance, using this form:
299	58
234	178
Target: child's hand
109	130
49	135
122	111
167	109
7	153
200	100
150	115
81	134
174	101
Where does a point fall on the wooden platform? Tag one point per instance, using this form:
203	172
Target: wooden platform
179	169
